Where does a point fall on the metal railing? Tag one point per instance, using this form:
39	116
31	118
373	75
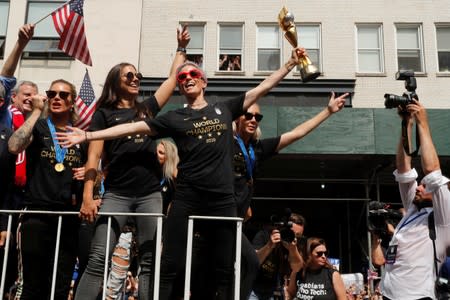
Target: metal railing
107	250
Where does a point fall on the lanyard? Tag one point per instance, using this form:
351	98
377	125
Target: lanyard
248	156
410	219
60	152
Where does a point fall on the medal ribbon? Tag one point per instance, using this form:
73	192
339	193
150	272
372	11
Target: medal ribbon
60	152
249	156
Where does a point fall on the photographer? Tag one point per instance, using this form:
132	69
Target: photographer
275	249
410	268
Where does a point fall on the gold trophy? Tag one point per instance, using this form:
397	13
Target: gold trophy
308	71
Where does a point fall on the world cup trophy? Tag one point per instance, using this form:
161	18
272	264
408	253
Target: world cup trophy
308	71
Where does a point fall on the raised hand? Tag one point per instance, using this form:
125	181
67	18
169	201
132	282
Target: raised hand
183	36
336	104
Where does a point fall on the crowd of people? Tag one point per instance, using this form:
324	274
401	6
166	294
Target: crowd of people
125	163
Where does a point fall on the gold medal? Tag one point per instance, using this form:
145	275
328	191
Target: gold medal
59	167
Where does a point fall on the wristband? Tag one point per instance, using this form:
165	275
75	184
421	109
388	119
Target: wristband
181	49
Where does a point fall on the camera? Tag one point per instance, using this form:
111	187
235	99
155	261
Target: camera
393	101
284	226
379	215
442	288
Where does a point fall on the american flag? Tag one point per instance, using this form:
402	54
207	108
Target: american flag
85	103
69	23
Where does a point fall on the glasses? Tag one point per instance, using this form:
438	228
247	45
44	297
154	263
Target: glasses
322	253
52	94
194	74
130	76
249	116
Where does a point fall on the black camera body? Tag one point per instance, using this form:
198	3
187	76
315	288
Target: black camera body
284	227
393	101
380	215
442	288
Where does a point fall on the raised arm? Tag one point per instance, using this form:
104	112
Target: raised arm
78	136
166	89
23	136
428	154
25	34
403	161
334	105
264	87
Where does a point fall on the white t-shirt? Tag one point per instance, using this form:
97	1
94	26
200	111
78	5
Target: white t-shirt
412	276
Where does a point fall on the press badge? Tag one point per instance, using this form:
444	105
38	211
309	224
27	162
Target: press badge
391	253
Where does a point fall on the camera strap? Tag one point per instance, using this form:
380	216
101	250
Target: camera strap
432	234
405	139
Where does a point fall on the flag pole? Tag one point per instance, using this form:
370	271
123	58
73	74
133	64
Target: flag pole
45	17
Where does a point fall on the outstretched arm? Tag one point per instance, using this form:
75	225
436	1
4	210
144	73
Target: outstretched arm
25	34
334	105
166	89
77	136
264	87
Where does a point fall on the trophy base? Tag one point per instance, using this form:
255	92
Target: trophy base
308	75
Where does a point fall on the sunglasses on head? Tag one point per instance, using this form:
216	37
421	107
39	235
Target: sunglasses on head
130	76
321	253
249	116
52	94
193	73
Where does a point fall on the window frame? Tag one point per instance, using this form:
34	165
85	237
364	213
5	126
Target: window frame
319	63
380	50
279	39
436	27
192	52
235	53
3	36
48	52
419	30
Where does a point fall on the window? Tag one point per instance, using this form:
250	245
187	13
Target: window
44	44
230	48
269	52
443	47
4	12
309	38
409	47
196	44
370	54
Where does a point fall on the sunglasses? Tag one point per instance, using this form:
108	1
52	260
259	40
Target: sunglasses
194	74
52	94
130	76
321	253
249	116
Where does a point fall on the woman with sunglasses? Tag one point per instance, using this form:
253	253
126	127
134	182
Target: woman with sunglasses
204	137
133	173
54	183
316	279
249	152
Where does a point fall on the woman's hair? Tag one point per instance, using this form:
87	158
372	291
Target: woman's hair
74	117
111	93
169	168
311	244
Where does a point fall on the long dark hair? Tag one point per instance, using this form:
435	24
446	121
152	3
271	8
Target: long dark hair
110	96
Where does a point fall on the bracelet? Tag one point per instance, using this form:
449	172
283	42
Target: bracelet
181	49
85	136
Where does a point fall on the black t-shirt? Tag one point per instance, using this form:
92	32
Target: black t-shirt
130	161
47	188
264	149
317	285
204	139
7	170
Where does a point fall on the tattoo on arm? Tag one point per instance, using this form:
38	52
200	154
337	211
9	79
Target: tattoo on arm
22	137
